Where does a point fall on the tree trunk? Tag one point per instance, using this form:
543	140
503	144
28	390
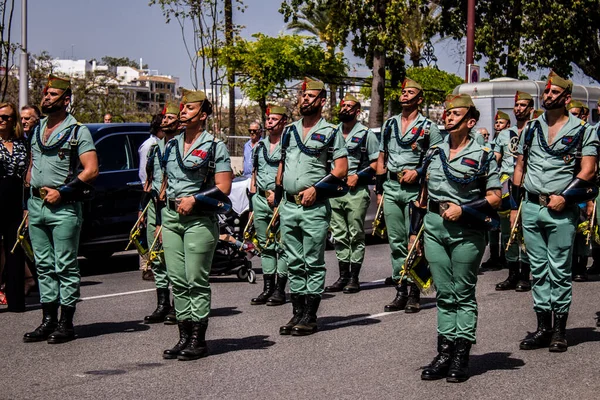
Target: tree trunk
514	43
230	74
262	103
332	100
377	90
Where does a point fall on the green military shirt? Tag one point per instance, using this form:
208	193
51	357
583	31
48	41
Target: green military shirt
403	153
550	174
465	164
183	182
51	166
360	136
506	145
155	156
268	163
304	170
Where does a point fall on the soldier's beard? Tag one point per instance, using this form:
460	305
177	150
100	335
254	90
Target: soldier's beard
309	109
558	102
50	109
345	116
522	116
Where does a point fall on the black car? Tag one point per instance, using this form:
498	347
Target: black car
111	214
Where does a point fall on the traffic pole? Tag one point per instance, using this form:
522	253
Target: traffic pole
23	66
470	37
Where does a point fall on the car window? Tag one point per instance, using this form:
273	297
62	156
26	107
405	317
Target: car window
136	140
114	153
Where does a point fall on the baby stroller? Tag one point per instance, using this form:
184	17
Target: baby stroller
229	257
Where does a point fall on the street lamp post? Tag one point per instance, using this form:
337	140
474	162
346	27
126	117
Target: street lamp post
23	70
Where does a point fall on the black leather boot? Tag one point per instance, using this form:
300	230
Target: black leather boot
542	336
579	269
438	369
49	323
413	305
162	308
196	347
595	268
353	285
65	331
268	288
171	318
308	324
558	344
342	281
298	305
524	284
513	278
459	365
185	331
278	296
401	299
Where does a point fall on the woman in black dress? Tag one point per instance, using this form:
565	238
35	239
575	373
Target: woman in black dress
13	167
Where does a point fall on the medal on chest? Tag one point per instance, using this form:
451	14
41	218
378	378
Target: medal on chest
568	158
62	154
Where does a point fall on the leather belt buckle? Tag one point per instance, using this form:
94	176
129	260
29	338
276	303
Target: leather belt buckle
443	207
43	193
298	199
544	199
172	204
399	176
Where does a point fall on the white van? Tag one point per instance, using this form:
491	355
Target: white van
499	94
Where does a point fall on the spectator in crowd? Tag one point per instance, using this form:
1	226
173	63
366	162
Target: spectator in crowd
484	133
255	132
108	118
30	118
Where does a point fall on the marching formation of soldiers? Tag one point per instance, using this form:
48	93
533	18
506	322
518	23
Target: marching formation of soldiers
443	194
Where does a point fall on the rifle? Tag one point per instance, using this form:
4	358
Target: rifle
273	227
592	226
379	227
23	239
515	230
136	233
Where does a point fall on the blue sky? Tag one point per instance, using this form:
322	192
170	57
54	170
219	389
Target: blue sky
95	28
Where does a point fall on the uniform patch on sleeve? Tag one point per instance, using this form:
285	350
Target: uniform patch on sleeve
567	140
318	137
199	153
356	139
469	162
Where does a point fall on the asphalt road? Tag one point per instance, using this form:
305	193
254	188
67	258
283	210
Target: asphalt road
359	353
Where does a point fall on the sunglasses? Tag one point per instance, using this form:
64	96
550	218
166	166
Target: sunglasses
253	131
5	117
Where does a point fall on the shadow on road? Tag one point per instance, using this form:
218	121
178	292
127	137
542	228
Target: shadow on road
577	336
107	328
222	346
224	312
339	322
482	363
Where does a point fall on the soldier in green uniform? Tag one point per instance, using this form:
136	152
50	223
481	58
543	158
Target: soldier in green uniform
497	258
463	190
348	212
575	107
310	146
58	146
154	171
197	179
505	150
266	158
405	139
556	166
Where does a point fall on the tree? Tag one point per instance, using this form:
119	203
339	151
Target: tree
113	62
420	25
517	35
265	65
436	84
7	47
374	26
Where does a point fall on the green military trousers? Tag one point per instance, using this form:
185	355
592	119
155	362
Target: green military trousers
272	257
348	224
161	280
396	200
189	243
454	253
303	233
514	253
549	239
54	233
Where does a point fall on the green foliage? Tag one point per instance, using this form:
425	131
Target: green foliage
436	84
121	62
266	64
520	36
